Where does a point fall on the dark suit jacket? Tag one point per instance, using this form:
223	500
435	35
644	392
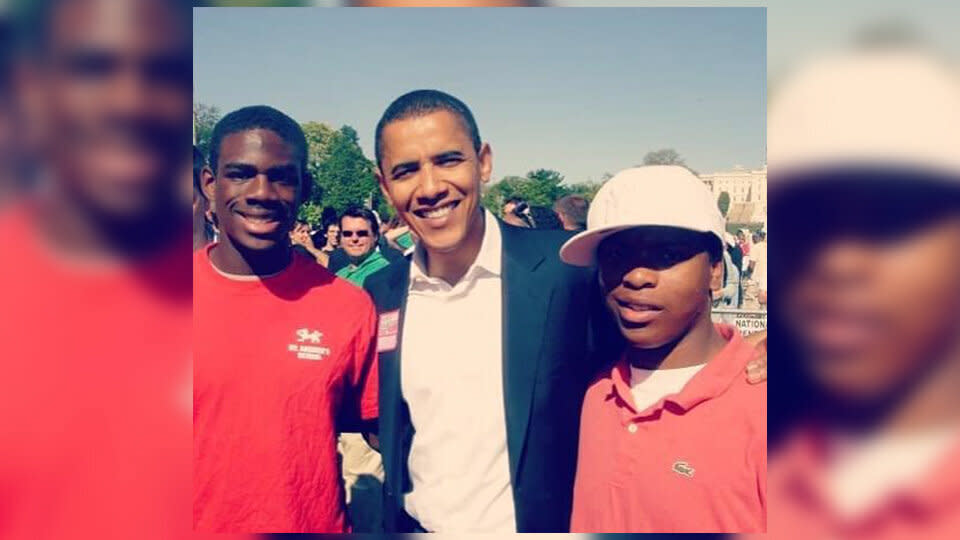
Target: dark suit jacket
548	310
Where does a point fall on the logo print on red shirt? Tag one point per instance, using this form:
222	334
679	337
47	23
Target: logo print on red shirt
309	348
683	469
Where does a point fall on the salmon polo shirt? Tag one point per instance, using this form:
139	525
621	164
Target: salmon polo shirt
927	507
695	461
281	365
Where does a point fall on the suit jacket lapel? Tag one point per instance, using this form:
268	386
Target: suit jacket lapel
526	302
391	395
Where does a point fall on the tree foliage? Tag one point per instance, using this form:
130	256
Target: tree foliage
664	156
342	175
723	203
541	187
205	117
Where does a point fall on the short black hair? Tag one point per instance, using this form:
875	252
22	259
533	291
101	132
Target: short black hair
514	200
357	211
714	247
263	117
575	207
543	217
420	103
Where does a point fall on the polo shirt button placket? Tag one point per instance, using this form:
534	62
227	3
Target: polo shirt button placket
632	428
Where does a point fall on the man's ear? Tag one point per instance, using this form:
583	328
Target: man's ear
485	156
382	182
208	184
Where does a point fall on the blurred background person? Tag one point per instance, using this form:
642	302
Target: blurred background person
517	213
95	319
510	205
362	466
543	217
360	237
865	194
400	237
758	267
572	211
729	296
330	235
301	236
743	240
203	232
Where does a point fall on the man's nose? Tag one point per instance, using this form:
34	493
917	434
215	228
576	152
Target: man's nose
261	188
432	187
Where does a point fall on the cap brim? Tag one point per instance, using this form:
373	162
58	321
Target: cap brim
581	250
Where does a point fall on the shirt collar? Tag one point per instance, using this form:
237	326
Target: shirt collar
370	257
488	258
711	381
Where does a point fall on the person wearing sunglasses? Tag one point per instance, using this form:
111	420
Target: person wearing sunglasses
359	233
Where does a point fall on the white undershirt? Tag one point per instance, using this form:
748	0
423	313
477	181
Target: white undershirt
648	386
451	378
864	471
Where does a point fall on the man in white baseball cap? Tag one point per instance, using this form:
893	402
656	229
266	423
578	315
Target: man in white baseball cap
656	236
865	198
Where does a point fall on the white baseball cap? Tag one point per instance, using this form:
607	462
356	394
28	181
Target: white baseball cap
883	107
656	195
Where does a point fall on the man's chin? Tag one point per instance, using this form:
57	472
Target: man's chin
131	209
256	245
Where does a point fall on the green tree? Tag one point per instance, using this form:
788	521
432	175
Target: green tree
664	156
205	117
723	203
539	188
342	175
587	189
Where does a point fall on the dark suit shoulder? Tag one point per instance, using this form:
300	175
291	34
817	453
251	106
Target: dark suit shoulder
388	285
545	244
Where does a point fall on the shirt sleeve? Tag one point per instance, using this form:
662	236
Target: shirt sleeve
365	372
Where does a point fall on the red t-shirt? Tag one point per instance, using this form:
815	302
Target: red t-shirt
693	462
281	365
95	432
800	508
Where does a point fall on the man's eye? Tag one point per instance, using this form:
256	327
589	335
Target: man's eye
449	162
238	175
283	178
90	66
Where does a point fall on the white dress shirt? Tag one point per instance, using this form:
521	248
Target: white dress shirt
451	378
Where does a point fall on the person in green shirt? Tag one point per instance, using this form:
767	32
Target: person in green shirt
359	232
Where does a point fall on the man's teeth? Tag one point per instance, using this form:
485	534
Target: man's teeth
261	219
438	212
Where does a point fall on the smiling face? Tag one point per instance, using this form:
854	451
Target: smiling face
657	282
112	98
870	312
431	174
255	190
357	237
333	235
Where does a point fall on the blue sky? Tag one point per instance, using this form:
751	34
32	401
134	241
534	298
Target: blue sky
582	91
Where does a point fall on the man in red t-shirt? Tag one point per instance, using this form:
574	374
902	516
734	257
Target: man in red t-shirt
283	350
672	438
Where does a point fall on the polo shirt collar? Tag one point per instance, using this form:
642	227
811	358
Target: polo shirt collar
488	259
711	381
